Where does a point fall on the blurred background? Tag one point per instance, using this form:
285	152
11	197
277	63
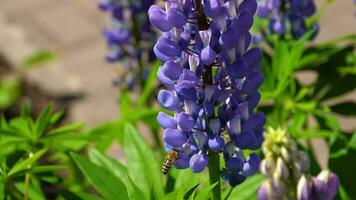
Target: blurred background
54	50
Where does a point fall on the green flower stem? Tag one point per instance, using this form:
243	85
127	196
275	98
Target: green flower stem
214	174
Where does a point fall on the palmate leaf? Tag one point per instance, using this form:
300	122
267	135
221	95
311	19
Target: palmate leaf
109	185
142	164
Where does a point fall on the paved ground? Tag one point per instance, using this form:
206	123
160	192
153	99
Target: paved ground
72	28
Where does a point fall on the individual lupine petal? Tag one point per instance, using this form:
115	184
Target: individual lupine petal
230	8
172	70
214	125
209	92
249	6
331	181
262	10
282	169
262	192
185	121
182	162
198	162
194	61
228	38
234	164
165	49
115	36
253	57
253	100
187	80
216	143
234	125
164	79
236	179
245	140
244	22
166	121
207	55
229	150
201	139
169	101
255	122
173	137
213	8
176	18
251	165
304	189
252	82
158	18
319	189
277	26
205	37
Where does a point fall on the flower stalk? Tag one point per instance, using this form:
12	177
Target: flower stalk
214	174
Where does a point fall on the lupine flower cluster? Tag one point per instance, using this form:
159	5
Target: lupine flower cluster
287	16
212	80
283	166
323	187
130	39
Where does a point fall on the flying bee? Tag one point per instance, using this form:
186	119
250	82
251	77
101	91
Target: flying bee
170	160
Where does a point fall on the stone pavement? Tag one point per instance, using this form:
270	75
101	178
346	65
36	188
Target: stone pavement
72	28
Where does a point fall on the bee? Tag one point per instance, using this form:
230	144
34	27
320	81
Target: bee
170	159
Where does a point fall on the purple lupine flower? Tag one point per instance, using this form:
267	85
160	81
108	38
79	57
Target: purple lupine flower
323	187
283	166
288	16
130	39
212	79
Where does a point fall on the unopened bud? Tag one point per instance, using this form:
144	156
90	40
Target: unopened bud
282	169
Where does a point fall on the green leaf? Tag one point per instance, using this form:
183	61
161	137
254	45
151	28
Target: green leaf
26	163
134	191
56	117
43	120
343	194
110	186
67	129
108	163
190	193
10	91
248	189
143	167
149	85
38	58
2	188
205	193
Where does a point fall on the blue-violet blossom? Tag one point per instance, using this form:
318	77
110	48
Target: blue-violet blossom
288	16
130	39
212	79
